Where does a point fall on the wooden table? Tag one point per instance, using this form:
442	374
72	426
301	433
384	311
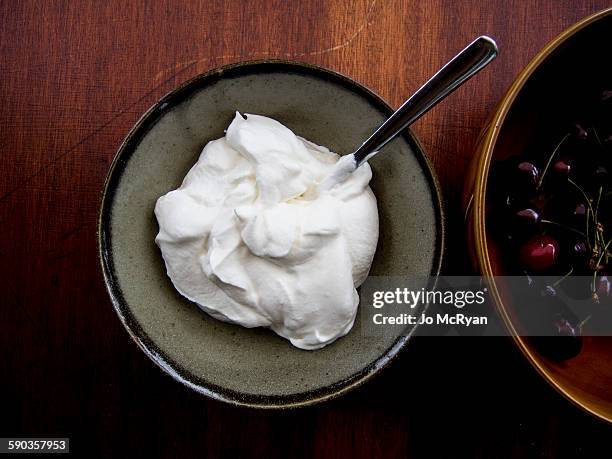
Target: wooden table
75	75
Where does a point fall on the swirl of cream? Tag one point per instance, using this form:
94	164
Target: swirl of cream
251	238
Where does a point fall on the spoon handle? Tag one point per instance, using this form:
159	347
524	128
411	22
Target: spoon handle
460	69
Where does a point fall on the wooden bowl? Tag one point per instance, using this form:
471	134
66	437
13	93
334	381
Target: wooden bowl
546	94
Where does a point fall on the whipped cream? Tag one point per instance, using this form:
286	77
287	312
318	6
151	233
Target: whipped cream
342	170
253	239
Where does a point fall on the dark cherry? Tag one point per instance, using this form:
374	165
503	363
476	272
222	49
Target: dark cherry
522	224
594	266
529	173
538	202
580	132
580	210
578	285
569	341
606	95
603	288
562	168
539	254
527	218
558	348
601	174
564	327
577	216
580	251
564	342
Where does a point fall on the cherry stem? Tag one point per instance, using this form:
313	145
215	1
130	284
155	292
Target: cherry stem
603	252
564	277
599	240
596	137
550	161
597	206
579	188
560	225
583	322
587	229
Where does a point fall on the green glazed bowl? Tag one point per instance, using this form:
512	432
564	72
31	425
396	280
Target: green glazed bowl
254	367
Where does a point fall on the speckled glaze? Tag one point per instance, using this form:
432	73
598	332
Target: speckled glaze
255	367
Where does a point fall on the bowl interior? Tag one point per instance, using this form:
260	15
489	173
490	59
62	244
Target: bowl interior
559	89
254	366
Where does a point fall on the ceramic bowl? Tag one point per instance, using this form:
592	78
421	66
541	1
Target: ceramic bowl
547	94
255	367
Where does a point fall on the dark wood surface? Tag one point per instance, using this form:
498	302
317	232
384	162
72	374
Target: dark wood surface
74	77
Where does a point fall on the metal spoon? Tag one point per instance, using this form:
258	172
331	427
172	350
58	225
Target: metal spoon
456	72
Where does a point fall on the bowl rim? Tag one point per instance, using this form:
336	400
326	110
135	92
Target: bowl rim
488	144
104	243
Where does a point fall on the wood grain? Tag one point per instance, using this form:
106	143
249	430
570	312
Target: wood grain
75	76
